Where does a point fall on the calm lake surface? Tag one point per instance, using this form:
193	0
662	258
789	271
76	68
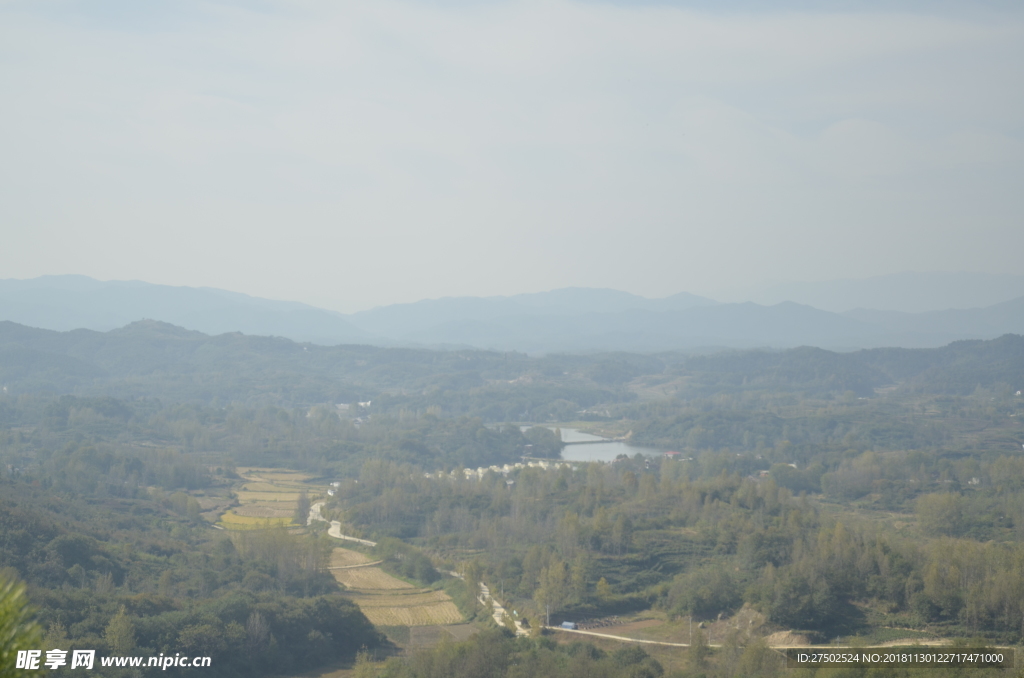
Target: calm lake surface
598	451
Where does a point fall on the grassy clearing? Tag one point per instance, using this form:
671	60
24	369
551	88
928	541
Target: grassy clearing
879	636
399	635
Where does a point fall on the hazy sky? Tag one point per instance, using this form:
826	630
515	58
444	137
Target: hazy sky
349	154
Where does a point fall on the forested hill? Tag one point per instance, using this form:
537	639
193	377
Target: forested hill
153	359
956	369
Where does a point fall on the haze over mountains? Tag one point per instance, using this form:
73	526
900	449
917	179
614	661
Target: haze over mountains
565	320
907	292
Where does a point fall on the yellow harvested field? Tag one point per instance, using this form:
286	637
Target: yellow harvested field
266	487
280	472
293	478
420	615
369	578
345	557
233	521
261	511
249	497
267	498
284	481
407	600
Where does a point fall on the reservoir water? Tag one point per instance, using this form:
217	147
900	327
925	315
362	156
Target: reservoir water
598	451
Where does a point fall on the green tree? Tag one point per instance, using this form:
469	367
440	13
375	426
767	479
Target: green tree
579	575
120	634
622	534
301	509
554	587
696	655
704	592
364	666
759	660
18	630
941	514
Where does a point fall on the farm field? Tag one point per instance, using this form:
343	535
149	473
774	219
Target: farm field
347	558
416	598
268	497
421	615
261	511
387	600
245	496
233	521
370	578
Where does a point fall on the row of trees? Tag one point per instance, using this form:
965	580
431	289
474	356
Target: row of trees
106	446
139	576
642	532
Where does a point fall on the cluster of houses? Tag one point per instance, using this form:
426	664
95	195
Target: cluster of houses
672	454
480	472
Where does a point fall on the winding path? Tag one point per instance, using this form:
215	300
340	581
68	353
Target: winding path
499	611
608	635
335	529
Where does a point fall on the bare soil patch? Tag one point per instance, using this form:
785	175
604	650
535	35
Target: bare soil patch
786	639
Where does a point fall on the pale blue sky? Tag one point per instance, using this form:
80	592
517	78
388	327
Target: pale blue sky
349	154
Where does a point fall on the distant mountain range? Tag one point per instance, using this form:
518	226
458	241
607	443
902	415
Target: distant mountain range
151	359
908	292
565	320
68	302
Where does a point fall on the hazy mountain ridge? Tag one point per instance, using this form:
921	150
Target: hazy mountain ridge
504	325
564	320
909	292
405	320
74	301
157	360
1000	318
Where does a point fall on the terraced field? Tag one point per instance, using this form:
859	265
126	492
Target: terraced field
423	615
387	600
232	521
369	578
268	497
347	558
257	511
246	496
